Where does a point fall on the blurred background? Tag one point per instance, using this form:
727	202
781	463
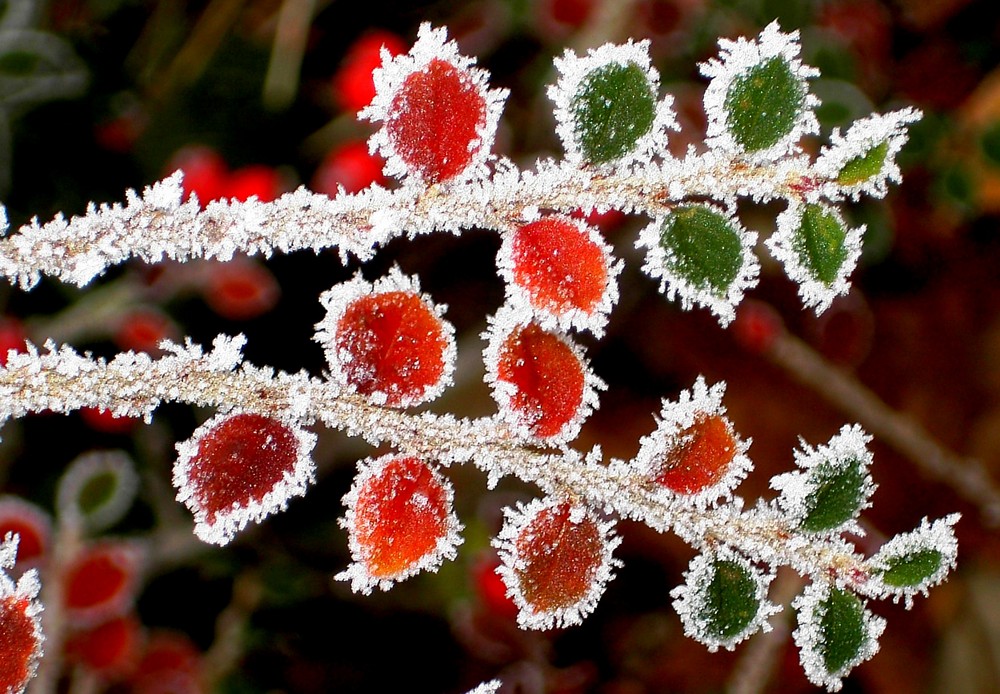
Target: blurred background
257	97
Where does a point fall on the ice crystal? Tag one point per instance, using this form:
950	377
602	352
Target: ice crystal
607	107
758	103
400	521
723	600
239	468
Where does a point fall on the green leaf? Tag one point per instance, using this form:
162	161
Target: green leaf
842	624
614	107
912	569
863	167
820	243
763	104
838	490
97	491
731	601
703	247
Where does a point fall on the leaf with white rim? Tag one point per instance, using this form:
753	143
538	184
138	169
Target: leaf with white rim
913	562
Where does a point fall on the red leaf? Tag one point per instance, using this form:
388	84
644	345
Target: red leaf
240	468
19	643
435	119
29	522
110	648
400	521
100	583
546	379
701	456
386	341
353	87
350	166
556	562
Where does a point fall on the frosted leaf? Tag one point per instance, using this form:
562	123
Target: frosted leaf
912	562
21	635
835	633
864	159
400	520
540	379
701	255
555	560
96	490
386	340
439	116
818	251
724	599
694	454
560	269
239	468
832	487
758	102
606	106
29	523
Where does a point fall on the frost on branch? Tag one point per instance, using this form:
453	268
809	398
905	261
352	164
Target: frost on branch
758	102
607	106
835	633
694	454
702	255
913	562
439	117
560	269
387	341
239	468
400	521
20	622
556	561
541	381
832	487
723	600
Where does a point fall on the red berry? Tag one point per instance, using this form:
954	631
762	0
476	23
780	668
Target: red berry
257	180
171	664
757	326
103	420
205	172
548	380
110	648
29	522
435	120
559	265
700	456
353	87
573	13
350	166
491	588
241	289
396	346
99	583
401	516
19	643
